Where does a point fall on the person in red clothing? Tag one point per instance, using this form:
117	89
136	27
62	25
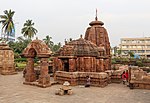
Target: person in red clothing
125	77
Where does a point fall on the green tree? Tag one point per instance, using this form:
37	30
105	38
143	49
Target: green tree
19	45
28	30
119	52
7	22
56	47
48	41
131	54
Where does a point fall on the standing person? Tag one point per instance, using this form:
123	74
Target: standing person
88	83
124	77
127	76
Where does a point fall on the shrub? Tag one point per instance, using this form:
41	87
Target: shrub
139	63
21	60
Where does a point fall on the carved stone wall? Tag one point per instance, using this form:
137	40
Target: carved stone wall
79	78
7	65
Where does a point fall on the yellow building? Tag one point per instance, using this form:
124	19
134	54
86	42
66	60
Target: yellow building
139	46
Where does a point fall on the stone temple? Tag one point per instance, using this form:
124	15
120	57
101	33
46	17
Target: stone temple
89	56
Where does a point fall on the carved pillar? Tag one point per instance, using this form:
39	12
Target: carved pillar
102	65
98	68
82	64
44	77
30	74
87	63
93	68
72	65
109	64
106	64
60	65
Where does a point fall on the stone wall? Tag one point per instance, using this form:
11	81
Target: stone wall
139	78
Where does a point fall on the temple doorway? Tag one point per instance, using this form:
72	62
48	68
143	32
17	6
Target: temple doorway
66	65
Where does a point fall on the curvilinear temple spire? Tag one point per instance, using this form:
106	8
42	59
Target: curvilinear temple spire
97	34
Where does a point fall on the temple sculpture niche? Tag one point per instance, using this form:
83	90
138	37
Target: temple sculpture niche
39	49
85	57
7	65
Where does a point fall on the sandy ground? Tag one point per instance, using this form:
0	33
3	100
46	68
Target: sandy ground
12	90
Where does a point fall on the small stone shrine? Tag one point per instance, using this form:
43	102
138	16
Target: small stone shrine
39	49
65	89
80	58
7	66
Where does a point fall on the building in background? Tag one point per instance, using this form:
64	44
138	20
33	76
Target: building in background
115	51
139	46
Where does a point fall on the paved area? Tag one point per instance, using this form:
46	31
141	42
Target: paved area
12	90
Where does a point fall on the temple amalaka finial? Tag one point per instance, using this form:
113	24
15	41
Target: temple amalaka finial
96	15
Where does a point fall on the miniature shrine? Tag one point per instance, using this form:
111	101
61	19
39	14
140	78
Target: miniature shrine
7	65
39	49
65	89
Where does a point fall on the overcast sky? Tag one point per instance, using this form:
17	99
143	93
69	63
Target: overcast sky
64	19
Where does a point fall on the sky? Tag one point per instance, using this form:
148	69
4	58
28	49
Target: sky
64	19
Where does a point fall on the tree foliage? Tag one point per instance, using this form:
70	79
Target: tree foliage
7	22
28	30
50	44
19	45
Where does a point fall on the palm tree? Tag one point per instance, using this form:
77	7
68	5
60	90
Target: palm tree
7	22
28	30
48	41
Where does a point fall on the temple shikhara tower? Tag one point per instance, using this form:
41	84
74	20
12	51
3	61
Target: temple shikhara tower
99	36
89	56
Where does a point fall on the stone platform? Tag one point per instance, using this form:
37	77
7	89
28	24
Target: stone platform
79	78
16	92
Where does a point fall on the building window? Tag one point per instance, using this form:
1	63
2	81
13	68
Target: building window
133	46
147	41
123	41
139	46
133	41
148	46
140	51
134	51
147	51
